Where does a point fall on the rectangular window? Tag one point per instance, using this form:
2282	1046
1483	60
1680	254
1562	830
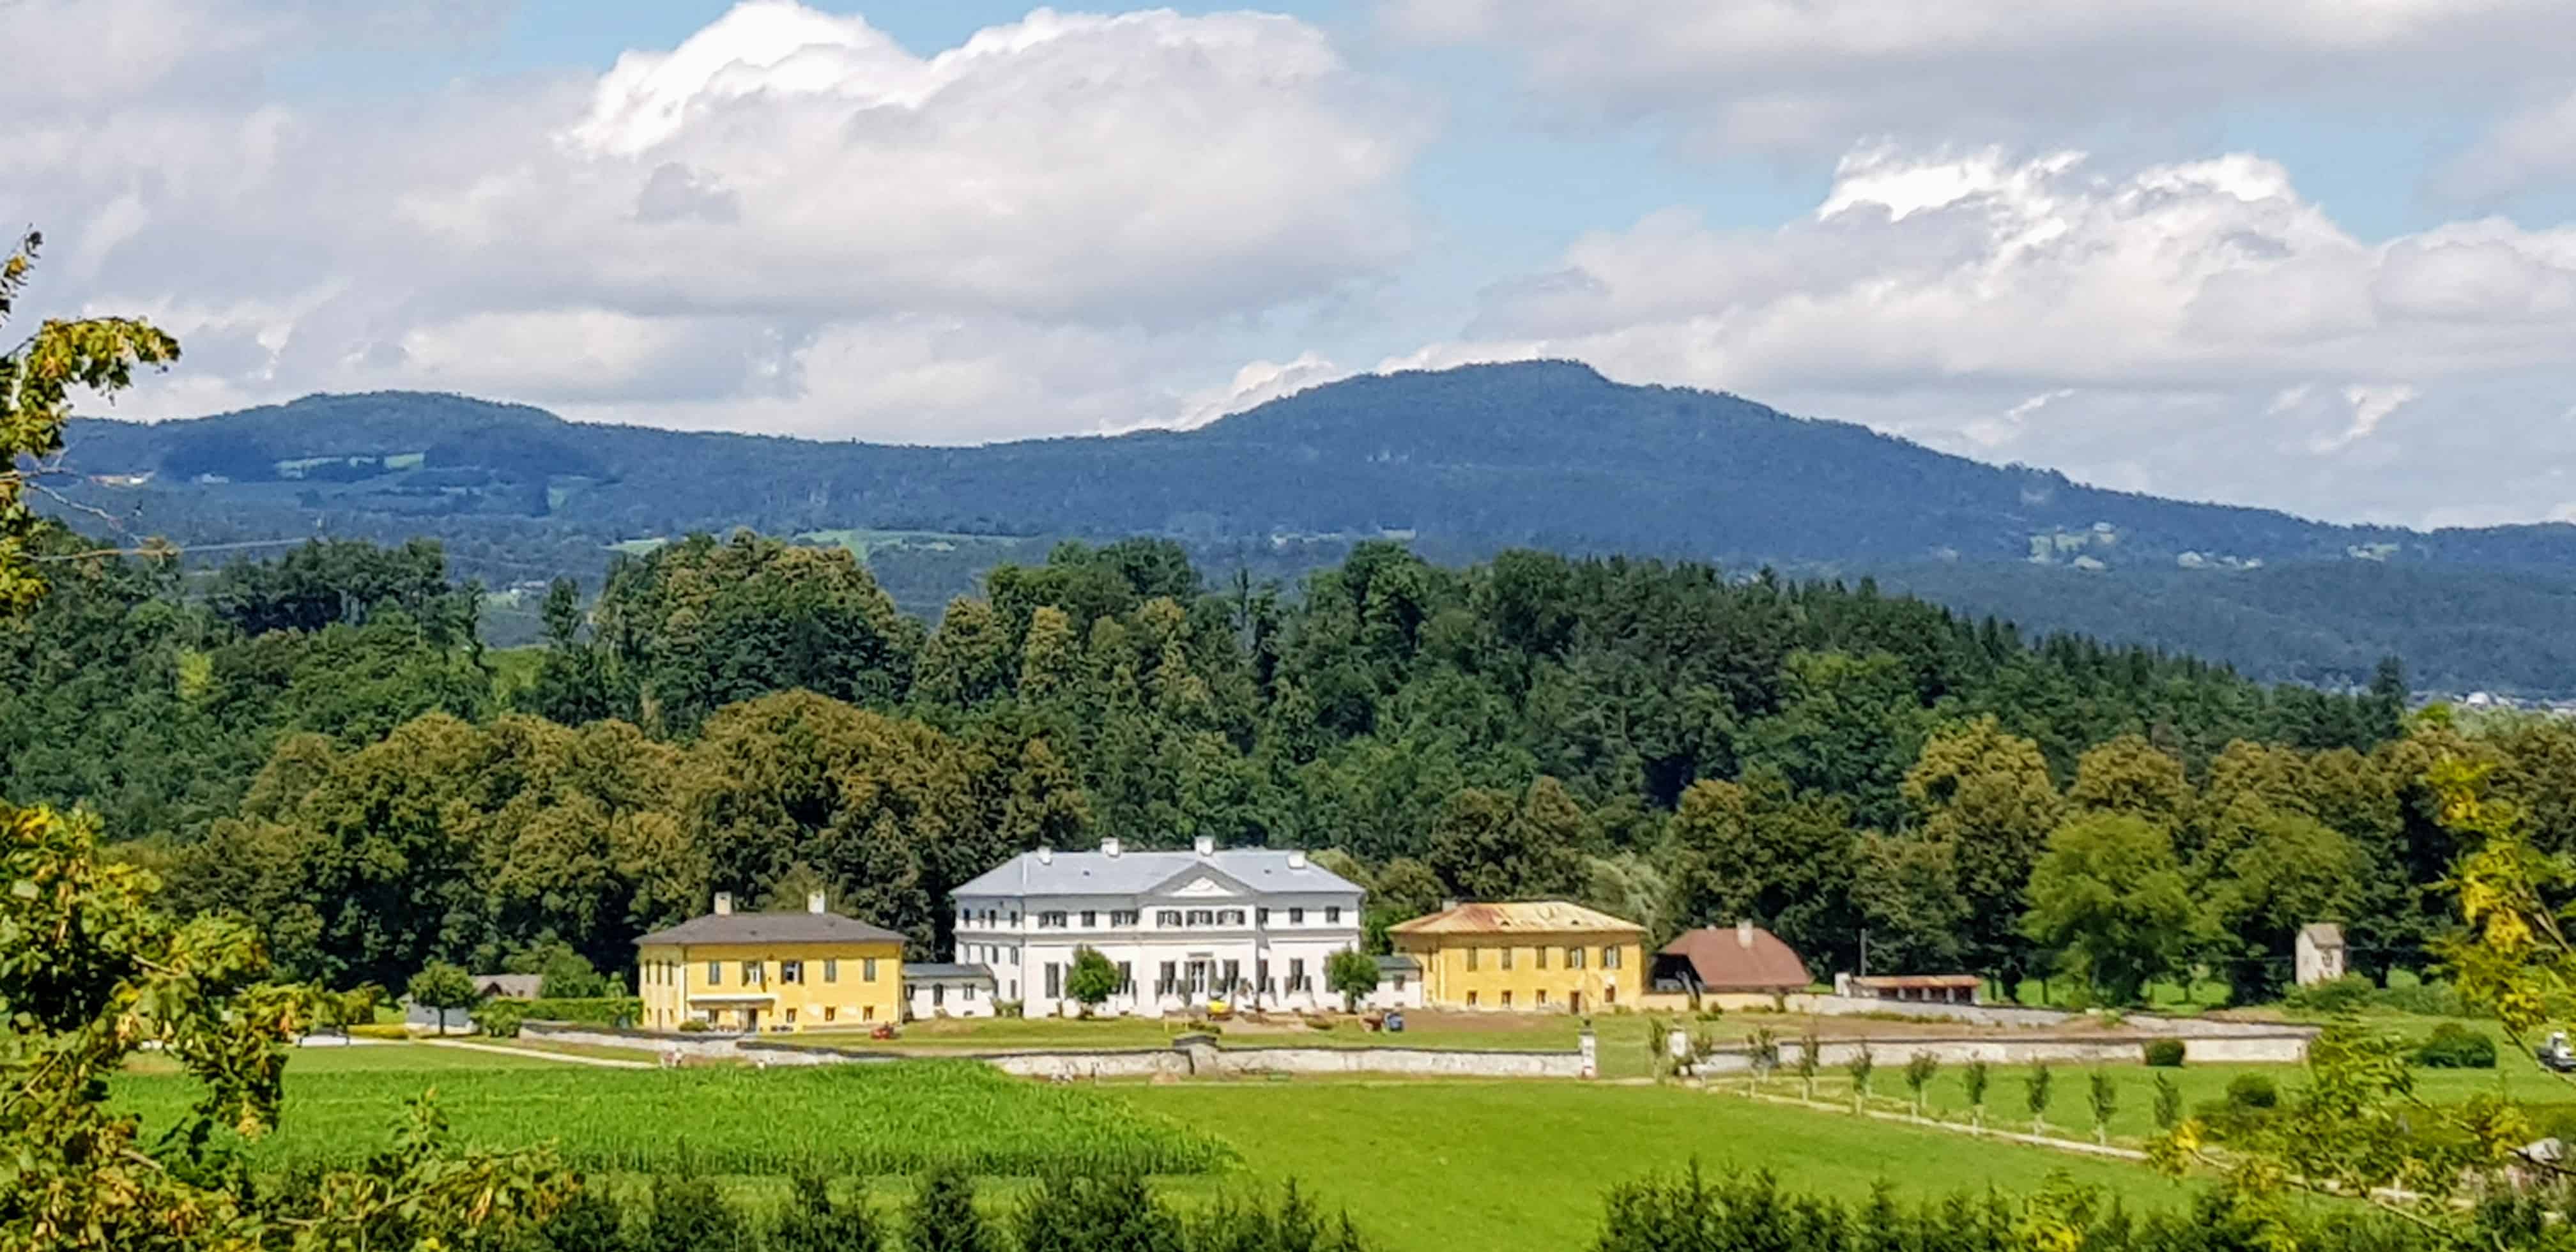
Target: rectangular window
1167	917
1574	958
1471	999
831	1012
831	969
715	973
1507	999
868	969
1126	979
1233	976
791	1017
1610	958
1166	984
1542	995
1055	980
753	974
1332	915
1610	994
1296	917
1051	921
868	1013
1202	917
1089	919
791	971
1261	917
1507	958
1230	917
1399	983
1472	955
1297	974
966	992
1541	953
1123	917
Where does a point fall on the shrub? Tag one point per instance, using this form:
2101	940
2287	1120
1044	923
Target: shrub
695	1025
500	1019
588	1011
2334	995
688	1216
2454	1046
812	1223
2252	1091
380	1030
2164	1053
942	1216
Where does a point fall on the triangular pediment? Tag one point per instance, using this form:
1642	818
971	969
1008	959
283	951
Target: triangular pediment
1200	882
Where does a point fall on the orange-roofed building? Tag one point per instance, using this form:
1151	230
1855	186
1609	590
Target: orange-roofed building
1544	956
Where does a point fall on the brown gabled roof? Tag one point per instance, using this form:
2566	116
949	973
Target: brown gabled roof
1534	917
1740	958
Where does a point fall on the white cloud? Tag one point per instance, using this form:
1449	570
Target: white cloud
2199	328
704	233
1810	76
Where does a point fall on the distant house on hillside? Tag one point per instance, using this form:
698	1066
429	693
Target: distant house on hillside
509	986
1743	959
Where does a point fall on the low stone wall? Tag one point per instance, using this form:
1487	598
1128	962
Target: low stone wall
1185	1059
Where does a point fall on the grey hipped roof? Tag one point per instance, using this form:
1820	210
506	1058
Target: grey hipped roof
938	969
771	928
1398	965
1136	873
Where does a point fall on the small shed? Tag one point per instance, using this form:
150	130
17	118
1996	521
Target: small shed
1399	984
509	986
1742	958
931	989
2319	953
1911	988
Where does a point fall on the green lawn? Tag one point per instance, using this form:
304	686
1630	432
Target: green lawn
371	1058
1506	1166
1621	1036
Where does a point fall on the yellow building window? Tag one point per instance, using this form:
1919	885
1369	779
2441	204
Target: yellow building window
1507	997
831	970
791	971
868	1013
1574	958
831	1012
1610	957
868	970
752	974
791	1017
715	973
1471	996
1541	953
1472	954
1507	958
1542	995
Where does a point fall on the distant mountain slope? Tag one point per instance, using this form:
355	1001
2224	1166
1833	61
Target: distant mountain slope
1459	463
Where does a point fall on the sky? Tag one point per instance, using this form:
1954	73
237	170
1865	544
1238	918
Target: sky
2317	255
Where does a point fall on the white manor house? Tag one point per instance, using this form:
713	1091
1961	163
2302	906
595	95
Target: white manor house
1251	925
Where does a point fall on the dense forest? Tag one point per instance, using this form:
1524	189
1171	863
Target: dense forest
319	744
1461	464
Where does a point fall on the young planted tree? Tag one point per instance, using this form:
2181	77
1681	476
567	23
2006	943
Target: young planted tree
2168	1102
2104	1096
1861	1066
2034	1095
690	1215
1808	1047
442	986
1764	1049
1919	1069
1977	1078
1353	974
1093	979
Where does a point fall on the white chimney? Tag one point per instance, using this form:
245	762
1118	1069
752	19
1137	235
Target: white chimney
813	901
724	903
1744	934
1297	859
1449	905
1204	845
1046	855
1109	845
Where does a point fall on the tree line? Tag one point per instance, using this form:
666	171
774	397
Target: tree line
319	744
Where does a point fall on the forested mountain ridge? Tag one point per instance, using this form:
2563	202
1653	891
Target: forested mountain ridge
1460	464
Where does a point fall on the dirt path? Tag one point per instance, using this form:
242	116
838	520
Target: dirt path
565	1057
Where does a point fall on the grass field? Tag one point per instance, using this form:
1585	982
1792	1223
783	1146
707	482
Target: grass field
1447	1165
832	1120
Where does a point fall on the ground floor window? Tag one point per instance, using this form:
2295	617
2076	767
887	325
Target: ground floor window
868	1013
1507	999
791	1017
1471	999
831	1012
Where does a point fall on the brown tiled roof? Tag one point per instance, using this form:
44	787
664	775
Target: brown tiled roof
1728	959
800	927
1535	917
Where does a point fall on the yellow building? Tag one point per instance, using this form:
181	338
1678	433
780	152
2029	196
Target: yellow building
770	971
1543	957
